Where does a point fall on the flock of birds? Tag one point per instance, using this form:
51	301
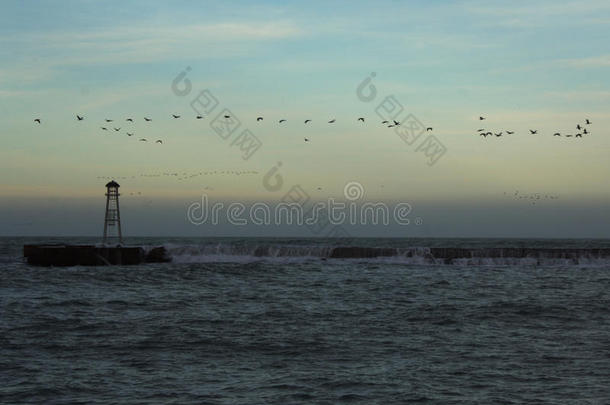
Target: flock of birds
388	123
183	175
533	197
581	128
108	121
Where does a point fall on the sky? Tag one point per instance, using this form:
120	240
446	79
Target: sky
523	65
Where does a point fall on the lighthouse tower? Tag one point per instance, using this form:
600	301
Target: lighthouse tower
113	216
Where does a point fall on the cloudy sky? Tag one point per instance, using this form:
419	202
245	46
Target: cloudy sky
523	65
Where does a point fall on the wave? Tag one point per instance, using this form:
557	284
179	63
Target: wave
229	252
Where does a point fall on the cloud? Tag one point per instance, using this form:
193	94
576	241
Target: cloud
540	13
580	95
140	44
589	62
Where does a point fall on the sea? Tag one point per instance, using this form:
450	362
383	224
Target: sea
285	321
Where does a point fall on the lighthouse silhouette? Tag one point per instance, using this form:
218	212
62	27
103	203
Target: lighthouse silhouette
112	218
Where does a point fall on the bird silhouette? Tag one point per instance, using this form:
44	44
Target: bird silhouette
481	118
107	120
306	121
489	133
533	131
159	141
104	128
128	134
396	122
578	136
129	119
484	134
282	120
306	140
199	117
175	116
147	119
391	126
142	139
227	116
331	121
556	134
117	129
569	136
510	132
78	117
482	129
361	119
500	134
585	131
384	122
429	129
259	119
578	127
587	121
37	120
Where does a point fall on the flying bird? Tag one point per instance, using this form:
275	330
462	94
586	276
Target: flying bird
159	141
175	116
391	126
199	117
282	120
306	140
143	139
533	131
107	120
510	132
483	134
331	121
259	119
78	117
147	119
37	120
429	129
585	131
361	119
569	136
306	121
129	119
578	127
588	122
384	122
578	136
500	134
227	116
396	122
128	134
556	134
117	129
482	129
104	128
481	118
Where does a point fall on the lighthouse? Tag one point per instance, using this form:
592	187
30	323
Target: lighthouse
54	254
112	219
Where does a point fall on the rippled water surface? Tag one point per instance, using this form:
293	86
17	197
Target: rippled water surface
304	331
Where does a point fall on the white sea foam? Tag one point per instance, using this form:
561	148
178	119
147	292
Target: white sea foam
244	253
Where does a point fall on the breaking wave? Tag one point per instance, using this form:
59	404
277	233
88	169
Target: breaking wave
228	252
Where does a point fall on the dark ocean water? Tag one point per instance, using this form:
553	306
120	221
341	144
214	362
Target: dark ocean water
223	326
